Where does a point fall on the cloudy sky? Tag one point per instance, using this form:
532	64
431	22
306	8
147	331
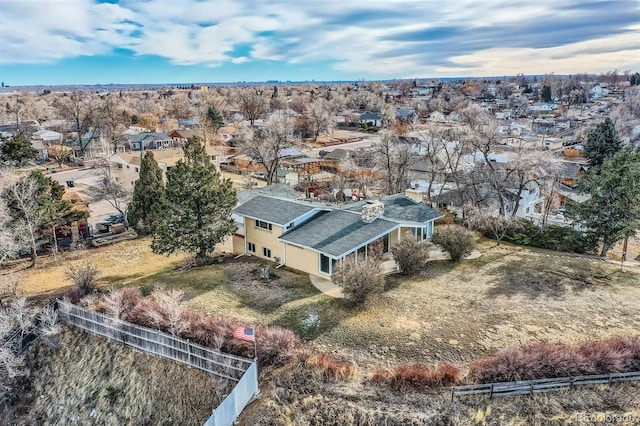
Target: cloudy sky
163	41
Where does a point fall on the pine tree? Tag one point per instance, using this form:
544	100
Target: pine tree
613	209
17	149
215	118
546	94
199	205
603	142
147	205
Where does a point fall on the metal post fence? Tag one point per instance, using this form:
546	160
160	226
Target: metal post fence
243	371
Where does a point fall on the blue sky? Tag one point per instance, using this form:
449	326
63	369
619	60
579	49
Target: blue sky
170	41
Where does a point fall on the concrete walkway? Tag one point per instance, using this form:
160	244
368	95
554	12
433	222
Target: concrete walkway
326	286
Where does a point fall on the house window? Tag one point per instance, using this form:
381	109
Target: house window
214	157
266	252
136	170
251	247
385	244
325	264
127	166
119	165
263	225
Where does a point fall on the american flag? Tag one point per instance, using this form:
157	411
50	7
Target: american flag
244	333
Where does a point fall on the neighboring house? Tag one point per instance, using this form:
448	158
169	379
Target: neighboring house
407	115
41	139
314	238
181	136
125	167
544	106
437	117
150	141
571	172
371	119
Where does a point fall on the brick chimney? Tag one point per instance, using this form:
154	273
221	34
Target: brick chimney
372	210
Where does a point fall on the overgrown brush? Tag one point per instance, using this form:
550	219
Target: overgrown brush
406	376
167	311
329	367
547	360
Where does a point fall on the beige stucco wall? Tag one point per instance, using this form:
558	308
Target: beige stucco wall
303	260
238	244
125	177
264	238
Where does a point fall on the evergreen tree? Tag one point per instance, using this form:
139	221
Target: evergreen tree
613	211
545	94
199	204
215	118
603	142
147	204
17	149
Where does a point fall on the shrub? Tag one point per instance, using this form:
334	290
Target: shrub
410	255
330	367
455	240
406	376
83	276
547	360
166	311
358	280
554	237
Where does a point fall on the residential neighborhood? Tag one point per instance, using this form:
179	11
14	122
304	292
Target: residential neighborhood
319	213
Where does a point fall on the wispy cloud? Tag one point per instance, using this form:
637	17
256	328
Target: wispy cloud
394	38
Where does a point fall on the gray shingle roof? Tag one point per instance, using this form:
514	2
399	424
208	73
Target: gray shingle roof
402	208
337	232
279	190
273	210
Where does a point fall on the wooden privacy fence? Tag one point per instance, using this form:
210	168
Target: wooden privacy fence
530	387
243	371
156	342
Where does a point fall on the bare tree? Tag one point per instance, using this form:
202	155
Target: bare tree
81	110
13	236
252	105
265	144
111	191
431	149
21	196
320	114
112	119
394	157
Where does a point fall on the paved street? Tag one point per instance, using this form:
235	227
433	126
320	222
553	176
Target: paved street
83	180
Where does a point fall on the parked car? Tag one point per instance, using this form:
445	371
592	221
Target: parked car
103	226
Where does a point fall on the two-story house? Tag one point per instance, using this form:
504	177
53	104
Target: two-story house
313	237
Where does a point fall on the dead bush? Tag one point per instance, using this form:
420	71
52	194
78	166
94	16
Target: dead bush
120	302
330	367
358	280
455	240
547	360
405	376
410	255
83	276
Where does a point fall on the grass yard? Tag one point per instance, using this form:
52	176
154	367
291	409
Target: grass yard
451	312
88	380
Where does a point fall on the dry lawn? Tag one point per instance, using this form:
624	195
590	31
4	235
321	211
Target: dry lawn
451	312
118	263
90	381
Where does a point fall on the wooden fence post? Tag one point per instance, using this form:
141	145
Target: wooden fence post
491	391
